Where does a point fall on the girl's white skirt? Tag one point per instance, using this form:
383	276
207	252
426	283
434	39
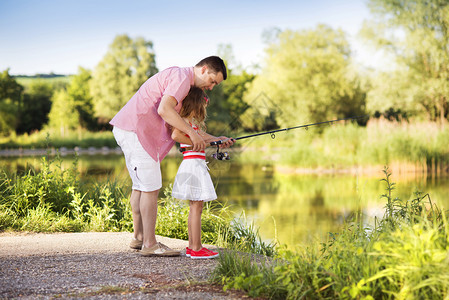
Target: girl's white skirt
193	181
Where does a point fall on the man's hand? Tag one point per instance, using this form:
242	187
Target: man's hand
198	143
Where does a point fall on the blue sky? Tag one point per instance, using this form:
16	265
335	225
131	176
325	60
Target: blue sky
43	36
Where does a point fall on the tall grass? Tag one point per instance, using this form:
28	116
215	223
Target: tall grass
422	146
54	199
403	256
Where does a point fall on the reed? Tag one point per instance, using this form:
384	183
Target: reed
421	146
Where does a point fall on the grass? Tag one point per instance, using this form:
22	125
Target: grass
403	256
55	79
54	199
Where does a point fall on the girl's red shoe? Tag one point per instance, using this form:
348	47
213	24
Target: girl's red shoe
203	253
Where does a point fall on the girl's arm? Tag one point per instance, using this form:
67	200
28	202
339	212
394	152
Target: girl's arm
181	137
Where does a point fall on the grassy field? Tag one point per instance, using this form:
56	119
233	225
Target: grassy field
55	79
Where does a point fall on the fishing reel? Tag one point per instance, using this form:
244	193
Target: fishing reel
221	155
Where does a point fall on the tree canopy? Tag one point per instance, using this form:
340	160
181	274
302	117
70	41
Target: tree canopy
126	65
10	98
36	105
416	32
307	76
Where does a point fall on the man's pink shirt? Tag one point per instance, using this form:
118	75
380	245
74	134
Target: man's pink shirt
140	113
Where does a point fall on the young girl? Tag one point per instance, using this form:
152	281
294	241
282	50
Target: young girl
193	181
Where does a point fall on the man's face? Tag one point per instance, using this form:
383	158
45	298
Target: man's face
208	79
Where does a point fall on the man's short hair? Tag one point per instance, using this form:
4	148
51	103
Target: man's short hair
215	64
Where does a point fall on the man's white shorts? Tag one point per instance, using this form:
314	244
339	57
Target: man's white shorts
144	171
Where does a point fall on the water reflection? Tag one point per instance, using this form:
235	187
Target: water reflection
293	208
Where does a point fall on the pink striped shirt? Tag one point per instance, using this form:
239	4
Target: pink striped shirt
140	113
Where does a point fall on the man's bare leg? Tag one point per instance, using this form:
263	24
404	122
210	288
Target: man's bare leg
148	213
137	218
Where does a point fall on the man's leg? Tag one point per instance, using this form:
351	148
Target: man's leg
137	218
148	212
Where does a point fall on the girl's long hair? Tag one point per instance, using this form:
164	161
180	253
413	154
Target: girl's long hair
194	105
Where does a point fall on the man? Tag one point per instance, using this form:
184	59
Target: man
143	130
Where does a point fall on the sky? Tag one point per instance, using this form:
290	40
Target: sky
44	36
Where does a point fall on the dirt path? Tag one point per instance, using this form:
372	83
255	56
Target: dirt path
99	265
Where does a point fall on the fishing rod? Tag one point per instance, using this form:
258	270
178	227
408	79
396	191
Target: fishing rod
225	156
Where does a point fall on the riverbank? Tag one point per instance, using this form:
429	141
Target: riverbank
100	265
63	151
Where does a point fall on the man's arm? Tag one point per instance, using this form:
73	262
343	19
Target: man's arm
167	112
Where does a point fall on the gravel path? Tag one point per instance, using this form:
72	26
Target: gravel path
99	265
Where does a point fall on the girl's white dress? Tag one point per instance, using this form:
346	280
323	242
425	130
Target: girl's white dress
193	182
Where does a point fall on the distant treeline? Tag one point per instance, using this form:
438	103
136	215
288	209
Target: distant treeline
51	75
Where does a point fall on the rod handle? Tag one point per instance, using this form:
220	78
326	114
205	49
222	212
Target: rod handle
214	143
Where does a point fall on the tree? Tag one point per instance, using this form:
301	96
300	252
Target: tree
72	108
81	97
307	76
10	96
417	33
9	88
63	115
227	105
126	65
36	106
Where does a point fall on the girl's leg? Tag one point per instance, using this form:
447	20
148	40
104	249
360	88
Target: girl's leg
194	225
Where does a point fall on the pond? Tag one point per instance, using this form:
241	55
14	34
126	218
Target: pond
293	208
